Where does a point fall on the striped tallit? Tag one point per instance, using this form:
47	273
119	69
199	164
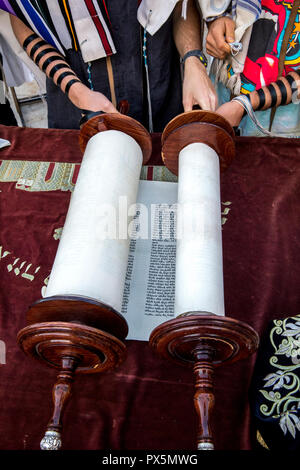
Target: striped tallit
77	24
83	24
244	13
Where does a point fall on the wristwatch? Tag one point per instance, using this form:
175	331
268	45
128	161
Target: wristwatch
195	53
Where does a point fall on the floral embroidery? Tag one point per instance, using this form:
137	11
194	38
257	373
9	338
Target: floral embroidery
283	395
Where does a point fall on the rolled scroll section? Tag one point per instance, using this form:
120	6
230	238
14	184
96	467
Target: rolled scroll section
196	146
199	265
78	327
92	256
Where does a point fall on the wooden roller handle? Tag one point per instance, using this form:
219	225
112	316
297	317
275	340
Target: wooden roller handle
204	398
61	394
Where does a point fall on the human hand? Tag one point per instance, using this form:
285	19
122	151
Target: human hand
232	111
197	86
84	98
220	33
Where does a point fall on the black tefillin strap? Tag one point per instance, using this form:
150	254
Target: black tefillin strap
64	75
69	84
273	94
292	82
283	91
58	67
29	39
36	47
43	52
262	98
50	60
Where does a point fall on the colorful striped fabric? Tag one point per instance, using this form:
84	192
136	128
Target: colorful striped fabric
83	24
244	13
67	14
61	22
5	5
38	19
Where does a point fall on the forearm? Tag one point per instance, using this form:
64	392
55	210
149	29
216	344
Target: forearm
49	60
187	32
210	14
283	91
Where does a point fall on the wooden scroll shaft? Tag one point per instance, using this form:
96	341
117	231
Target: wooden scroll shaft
61	394
204	399
204	342
199	339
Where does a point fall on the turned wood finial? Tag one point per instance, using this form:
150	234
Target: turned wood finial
70	348
204	342
61	394
204	398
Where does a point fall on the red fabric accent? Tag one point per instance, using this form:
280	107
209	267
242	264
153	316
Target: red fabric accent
75	174
150	173
55	150
262	72
147	403
105	7
50	171
99	26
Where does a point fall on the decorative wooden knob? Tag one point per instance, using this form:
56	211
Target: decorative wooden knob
204	342
204	399
71	348
80	333
61	393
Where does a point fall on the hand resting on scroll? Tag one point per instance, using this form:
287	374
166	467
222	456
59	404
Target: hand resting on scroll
197	86
232	111
84	98
285	90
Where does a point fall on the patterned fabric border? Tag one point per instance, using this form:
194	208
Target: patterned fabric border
282	384
47	176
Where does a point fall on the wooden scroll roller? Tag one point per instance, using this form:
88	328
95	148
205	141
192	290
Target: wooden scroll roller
77	327
195	146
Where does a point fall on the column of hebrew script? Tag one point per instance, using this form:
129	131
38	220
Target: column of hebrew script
148	297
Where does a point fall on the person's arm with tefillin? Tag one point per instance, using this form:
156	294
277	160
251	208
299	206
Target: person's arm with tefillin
53	63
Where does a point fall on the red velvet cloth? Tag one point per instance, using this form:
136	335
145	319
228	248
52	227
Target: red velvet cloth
147	403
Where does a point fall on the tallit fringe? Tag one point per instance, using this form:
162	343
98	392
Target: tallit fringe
235	83
184	9
219	70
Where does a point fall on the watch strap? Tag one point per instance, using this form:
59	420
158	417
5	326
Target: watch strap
196	53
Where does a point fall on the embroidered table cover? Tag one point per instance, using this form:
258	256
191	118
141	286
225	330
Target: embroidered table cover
146	403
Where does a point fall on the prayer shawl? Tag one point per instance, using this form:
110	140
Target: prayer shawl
262	61
83	24
244	13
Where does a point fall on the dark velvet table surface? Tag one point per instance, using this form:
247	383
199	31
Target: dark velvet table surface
147	403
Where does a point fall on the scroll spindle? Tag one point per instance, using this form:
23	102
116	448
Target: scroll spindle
78	325
123	107
61	393
102	126
204	399
197	146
